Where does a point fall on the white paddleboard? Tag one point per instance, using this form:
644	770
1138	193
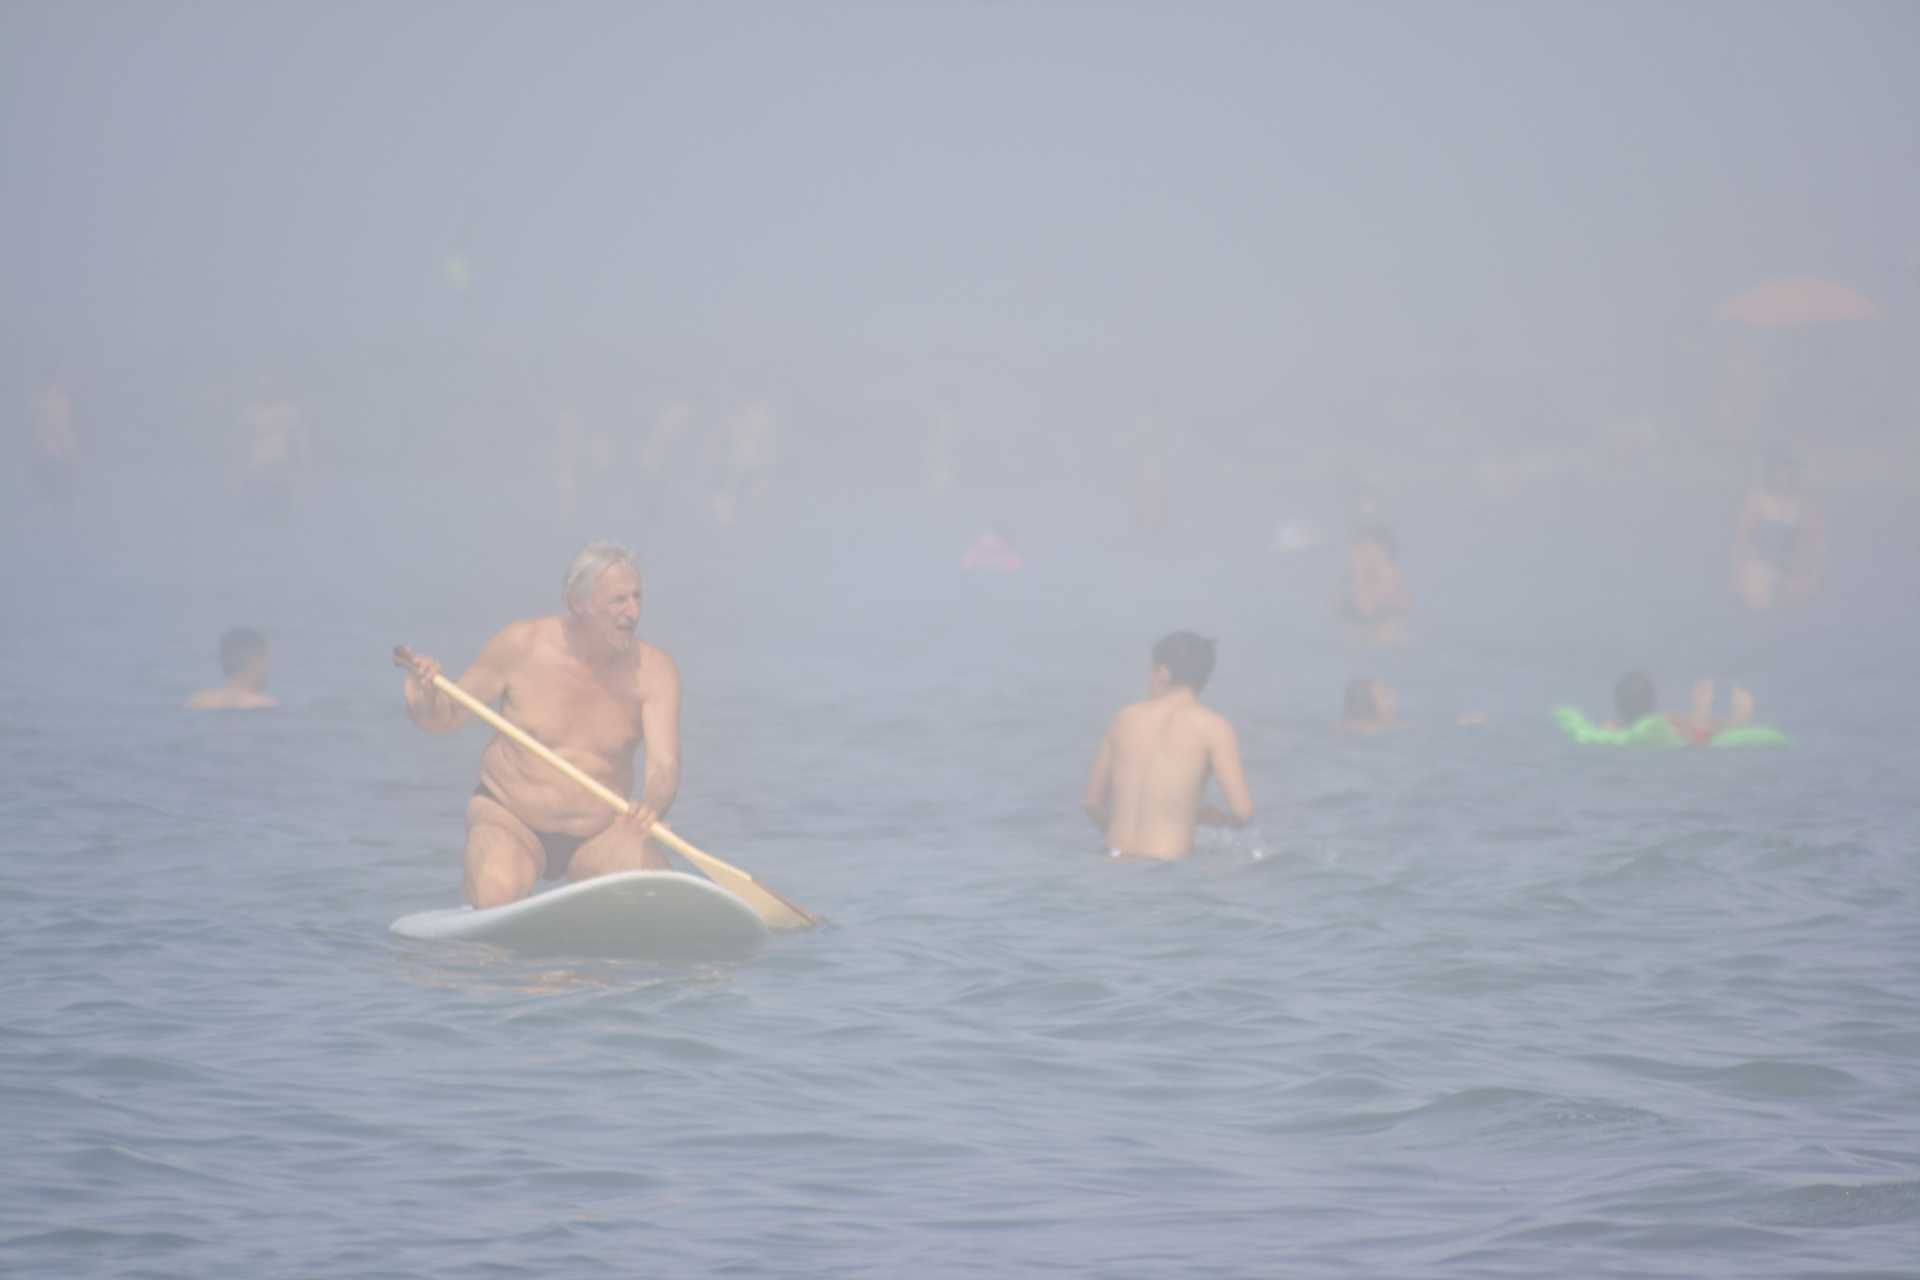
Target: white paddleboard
639	915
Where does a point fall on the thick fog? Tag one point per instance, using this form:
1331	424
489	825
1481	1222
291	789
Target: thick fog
377	312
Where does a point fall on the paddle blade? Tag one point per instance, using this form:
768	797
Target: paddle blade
775	910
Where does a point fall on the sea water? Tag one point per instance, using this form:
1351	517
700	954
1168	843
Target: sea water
1460	1002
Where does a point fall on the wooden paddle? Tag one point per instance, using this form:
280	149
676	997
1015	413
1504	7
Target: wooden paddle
772	908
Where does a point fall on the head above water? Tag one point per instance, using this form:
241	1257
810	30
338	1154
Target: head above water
593	560
1633	698
602	589
243	651
1186	658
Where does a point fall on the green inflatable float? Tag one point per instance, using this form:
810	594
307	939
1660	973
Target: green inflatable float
1658	731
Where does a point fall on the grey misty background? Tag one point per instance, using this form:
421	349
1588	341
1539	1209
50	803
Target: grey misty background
368	315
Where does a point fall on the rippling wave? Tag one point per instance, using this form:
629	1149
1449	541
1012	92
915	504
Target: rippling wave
1456	1006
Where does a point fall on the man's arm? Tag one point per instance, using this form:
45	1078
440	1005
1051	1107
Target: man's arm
486	680
1223	756
1095	799
660	727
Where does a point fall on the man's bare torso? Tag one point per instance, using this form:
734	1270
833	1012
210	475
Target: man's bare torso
590	715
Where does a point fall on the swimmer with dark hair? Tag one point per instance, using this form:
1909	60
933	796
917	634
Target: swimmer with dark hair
1375	602
243	659
1638	721
1151	771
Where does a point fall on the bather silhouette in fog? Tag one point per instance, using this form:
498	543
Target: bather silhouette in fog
1779	544
1374	602
243	660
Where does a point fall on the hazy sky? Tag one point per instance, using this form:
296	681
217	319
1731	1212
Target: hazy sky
1191	208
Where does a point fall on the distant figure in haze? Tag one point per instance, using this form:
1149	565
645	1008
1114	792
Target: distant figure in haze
1780	542
1145	789
243	659
991	553
1375	602
274	457
671	425
1370	707
586	685
1634	699
749	451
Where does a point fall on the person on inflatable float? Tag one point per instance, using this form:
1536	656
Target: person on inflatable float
1638	722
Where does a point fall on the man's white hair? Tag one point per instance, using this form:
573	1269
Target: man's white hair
594	559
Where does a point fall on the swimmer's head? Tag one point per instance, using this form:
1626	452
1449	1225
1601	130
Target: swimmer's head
603	592
1633	698
243	651
1186	658
594	559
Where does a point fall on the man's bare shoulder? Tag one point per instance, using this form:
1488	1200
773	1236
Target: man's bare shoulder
521	639
1211	722
657	669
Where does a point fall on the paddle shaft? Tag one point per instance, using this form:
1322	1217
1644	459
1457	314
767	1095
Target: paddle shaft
705	861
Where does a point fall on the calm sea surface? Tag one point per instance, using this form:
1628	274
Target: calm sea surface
1463	1002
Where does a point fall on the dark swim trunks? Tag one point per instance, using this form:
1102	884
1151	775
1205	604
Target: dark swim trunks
559	849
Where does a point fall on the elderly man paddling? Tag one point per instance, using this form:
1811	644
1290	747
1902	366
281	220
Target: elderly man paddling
585	684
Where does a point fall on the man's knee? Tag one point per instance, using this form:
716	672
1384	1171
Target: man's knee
499	871
496	882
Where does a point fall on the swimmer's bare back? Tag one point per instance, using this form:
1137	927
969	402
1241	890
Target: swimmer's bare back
1150	776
